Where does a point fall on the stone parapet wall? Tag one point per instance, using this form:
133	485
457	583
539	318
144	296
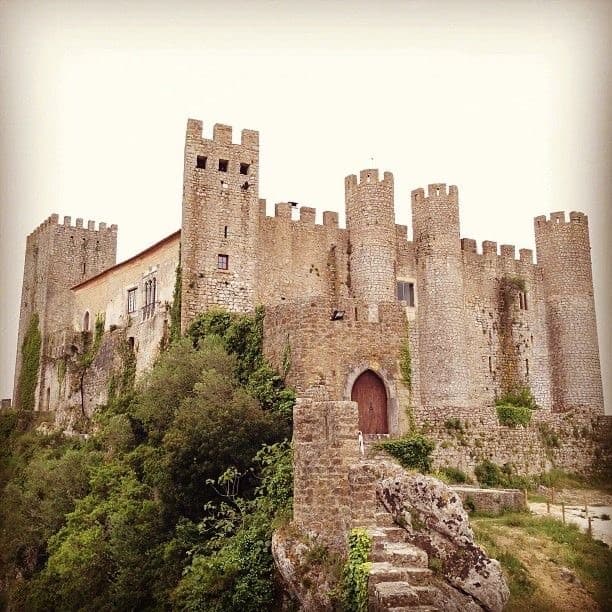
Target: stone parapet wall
575	441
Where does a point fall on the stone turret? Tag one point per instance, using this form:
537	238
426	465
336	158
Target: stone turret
59	256
220	220
441	312
371	224
564	254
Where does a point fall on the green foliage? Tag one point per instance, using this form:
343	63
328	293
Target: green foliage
412	451
513	415
242	337
30	362
89	355
356	571
488	474
548	436
175	309
521	397
453	425
590	559
454	475
406	361
171	501
234	573
286	357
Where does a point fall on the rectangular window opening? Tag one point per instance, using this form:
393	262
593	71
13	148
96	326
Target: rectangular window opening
201	162
244	168
131	300
225	232
222	262
405	292
527	367
223	164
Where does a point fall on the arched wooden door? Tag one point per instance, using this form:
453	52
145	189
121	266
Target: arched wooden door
371	397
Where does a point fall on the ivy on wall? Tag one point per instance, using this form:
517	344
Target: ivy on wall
406	360
30	362
175	310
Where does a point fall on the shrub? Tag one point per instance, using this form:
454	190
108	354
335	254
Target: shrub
488	474
356	570
518	397
412	452
512	416
454	475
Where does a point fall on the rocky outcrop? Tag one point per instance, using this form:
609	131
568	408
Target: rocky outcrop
434	520
307	569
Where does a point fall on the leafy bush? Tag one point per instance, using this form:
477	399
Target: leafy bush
454	475
412	452
512	416
488	474
519	397
356	570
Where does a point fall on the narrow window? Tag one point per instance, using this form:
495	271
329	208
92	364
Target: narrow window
131	343
222	262
405	292
84	267
86	322
225	232
244	168
131	300
48	398
527	367
490	364
521	300
223	164
525	300
201	162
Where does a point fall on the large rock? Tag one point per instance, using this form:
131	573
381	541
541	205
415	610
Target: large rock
306	569
434	520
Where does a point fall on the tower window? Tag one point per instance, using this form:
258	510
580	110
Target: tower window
86	322
405	292
131	300
225	232
244	168
201	162
223	164
222	262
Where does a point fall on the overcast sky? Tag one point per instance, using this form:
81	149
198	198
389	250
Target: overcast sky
510	101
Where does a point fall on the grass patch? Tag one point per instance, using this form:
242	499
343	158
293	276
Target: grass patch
513	537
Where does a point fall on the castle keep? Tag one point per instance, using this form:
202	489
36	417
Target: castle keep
416	331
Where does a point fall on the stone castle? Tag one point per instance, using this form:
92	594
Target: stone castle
421	333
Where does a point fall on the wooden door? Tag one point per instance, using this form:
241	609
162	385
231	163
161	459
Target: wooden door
371	397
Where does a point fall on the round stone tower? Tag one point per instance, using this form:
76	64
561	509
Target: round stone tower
444	376
564	256
371	223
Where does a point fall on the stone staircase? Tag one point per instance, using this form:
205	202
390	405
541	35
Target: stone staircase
399	579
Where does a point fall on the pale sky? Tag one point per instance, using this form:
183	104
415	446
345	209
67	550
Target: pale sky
508	100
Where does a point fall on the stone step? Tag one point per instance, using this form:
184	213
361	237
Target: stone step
395	594
415	609
389	534
384	519
427	594
383	571
400	554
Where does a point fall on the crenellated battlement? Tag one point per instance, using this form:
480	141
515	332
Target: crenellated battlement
489	248
367	178
435	190
307	215
222	135
53	221
557	219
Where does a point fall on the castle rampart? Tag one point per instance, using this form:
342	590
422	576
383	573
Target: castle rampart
425	329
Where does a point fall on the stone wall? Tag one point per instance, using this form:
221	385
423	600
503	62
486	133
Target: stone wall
330	354
58	256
